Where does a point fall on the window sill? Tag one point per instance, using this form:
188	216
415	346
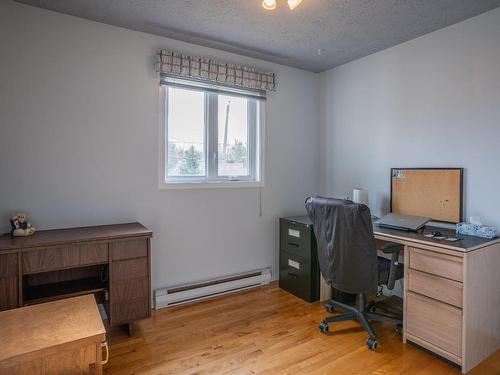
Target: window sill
210	184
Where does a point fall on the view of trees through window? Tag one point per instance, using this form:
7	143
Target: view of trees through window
232	136
186	134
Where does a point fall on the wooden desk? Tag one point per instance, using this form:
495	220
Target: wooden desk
451	294
61	337
110	261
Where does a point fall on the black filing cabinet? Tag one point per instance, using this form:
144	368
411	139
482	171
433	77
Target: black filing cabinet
299	268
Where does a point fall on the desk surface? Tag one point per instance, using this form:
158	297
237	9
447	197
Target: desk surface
41	327
465	244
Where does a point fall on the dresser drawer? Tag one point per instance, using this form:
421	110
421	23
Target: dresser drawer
129	311
295	239
436	287
134	248
8	292
129	290
434	322
129	269
55	258
8	265
448	266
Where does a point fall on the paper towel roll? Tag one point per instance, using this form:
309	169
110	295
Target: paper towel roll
360	196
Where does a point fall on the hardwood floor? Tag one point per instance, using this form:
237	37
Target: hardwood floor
265	331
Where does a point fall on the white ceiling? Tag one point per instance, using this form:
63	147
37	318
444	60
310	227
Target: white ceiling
344	30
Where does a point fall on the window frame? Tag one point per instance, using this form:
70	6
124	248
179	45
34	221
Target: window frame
255	178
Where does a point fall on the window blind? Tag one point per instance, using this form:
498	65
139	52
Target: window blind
216	88
175	64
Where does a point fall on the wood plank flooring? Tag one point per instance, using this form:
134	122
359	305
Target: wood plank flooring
265	331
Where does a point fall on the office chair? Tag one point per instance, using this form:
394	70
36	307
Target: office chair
348	260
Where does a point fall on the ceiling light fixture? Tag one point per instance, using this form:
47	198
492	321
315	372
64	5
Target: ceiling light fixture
294	4
271	4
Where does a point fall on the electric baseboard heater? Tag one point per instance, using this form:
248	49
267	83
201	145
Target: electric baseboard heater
186	293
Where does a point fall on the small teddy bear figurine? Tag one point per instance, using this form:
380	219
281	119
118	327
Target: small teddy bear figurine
20	225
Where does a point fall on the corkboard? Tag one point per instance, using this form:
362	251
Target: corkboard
434	193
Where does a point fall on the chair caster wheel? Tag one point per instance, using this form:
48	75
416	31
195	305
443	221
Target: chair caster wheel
323	327
372	343
399	328
329	307
370	307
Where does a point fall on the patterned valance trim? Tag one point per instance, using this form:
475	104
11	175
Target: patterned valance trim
207	70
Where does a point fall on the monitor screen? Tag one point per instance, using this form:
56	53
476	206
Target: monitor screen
431	192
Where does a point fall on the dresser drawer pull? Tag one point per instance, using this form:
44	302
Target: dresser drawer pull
292	275
105	346
293	244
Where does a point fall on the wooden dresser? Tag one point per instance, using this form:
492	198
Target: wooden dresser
110	261
59	337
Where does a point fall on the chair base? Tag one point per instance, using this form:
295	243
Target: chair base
361	314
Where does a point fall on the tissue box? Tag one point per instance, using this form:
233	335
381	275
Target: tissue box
485	231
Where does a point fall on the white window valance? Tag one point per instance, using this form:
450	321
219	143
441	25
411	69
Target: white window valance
176	64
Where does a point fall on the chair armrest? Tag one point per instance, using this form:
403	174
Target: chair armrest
392	247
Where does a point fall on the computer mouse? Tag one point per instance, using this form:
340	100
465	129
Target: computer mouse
436	233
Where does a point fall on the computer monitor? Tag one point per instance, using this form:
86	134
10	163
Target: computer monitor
431	192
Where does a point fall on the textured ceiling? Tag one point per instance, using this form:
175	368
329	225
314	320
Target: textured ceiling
344	30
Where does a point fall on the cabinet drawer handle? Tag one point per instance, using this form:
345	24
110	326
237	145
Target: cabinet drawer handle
293	244
294	276
105	346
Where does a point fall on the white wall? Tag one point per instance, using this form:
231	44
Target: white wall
79	145
433	101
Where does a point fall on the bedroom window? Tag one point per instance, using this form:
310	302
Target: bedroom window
211	136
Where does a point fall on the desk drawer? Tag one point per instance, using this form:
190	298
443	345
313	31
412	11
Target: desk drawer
436	287
56	258
295	239
448	266
129	269
8	265
434	322
134	248
129	311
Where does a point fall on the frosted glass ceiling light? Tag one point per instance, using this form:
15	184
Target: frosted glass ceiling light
269	4
294	4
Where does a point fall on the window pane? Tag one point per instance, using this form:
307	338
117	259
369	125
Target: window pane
185	133
233	136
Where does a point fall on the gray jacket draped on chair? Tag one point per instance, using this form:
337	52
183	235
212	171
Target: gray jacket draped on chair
346	245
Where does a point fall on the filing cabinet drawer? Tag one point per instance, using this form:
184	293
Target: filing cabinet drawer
295	239
297	277
439	288
434	322
448	266
55	258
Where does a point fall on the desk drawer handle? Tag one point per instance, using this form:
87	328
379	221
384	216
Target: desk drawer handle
292	275
293	244
105	346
